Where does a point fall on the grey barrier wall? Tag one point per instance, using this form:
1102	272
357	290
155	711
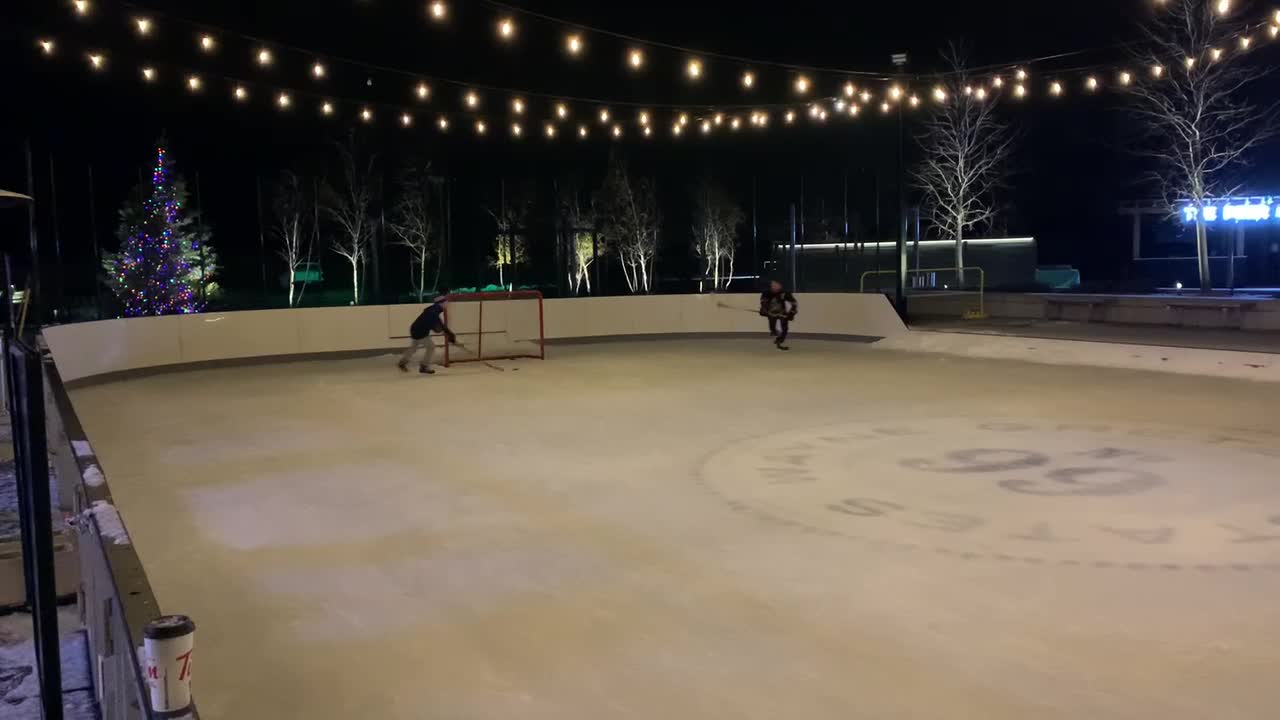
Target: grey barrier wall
115	598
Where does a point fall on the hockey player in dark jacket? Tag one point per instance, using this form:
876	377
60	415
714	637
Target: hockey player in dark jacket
781	308
431	320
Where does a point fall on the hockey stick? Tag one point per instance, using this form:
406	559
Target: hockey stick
486	363
726	306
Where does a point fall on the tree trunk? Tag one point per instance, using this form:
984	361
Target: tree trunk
1202	253
355	282
960	258
501	280
422	276
728	279
292	265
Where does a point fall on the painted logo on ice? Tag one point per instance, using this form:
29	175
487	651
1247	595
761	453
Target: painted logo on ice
1106	495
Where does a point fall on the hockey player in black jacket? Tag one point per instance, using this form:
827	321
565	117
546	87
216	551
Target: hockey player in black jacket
431	320
781	308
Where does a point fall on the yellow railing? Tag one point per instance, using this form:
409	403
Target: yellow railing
978	314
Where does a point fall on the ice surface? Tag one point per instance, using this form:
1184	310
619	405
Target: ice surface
708	529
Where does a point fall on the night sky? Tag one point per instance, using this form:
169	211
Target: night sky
1071	169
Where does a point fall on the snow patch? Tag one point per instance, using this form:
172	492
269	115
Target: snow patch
110	525
82	448
93	477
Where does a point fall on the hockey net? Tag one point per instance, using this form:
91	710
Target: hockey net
495	326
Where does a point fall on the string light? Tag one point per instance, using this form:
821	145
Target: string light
1274	30
748	79
1190	63
719	119
1216	53
1157	71
706	127
1126	78
885	107
193	83
97	61
939	94
517	106
574	44
647	131
981	94
866	96
790	117
1245	42
326	108
895	93
284	101
318	70
481	128
471	99
208	43
81	6
635	58
264	57
694	69
240	93
582	131
47	46
406	120
914	101
854	110
1091	84
423	90
1020	90
562	111
734	124
840	105
1055	88
1021	75
814	110
998	82
676	129
144	25
366	115
1224	7
968	90
148	73
644	117
617	131
849	89
802	85
443	123
604	116
438	10
516	130
684	119
822	116
551	130
506	28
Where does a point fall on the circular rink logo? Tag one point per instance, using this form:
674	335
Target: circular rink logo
1106	495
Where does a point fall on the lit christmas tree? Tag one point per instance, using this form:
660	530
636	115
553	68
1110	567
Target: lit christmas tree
165	265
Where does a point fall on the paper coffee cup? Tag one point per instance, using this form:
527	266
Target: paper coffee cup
168	643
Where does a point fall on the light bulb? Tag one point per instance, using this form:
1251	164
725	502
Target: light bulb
866	96
981	93
1274	30
997	82
582	131
604	115
840	105
284	101
939	94
506	28
635	58
47	46
1021	75
790	117
517	106
1190	62
551	130
814	110
748	79
1157	71
481	128
1055	88
442	123
81	6
885	107
318	70
1091	84
97	61
647	131
574	44
516	130
208	43
1216	53
644	117
438	10
1126	78
802	85
423	91
1245	42
562	111
914	101
676	129
854	110
143	24
472	100
326	108
694	69
1224	7
240	93
264	57
822	116
366	115
719	118
734	124
706	127
895	93
617	131
1020	90
194	83
406	120
849	89
148	73
684	119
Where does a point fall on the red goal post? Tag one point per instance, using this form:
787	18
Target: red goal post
495	326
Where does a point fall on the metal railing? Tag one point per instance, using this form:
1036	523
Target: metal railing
978	314
115	598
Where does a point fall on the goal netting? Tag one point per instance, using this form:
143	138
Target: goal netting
495	326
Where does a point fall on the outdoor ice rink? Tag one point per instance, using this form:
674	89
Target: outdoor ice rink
708	529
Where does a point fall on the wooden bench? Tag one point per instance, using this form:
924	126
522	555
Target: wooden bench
1233	312
1054	305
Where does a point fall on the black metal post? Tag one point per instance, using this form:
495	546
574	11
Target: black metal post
59	288
31	464
35	300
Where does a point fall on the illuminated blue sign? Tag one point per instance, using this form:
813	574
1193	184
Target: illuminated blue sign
1236	210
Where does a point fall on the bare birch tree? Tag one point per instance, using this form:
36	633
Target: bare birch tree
1194	104
348	205
291	213
631	222
585	245
716	218
413	226
510	246
965	148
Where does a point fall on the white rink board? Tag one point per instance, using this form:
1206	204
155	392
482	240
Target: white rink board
87	349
